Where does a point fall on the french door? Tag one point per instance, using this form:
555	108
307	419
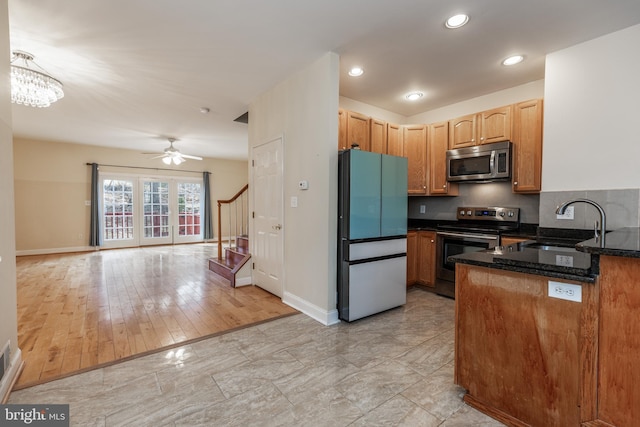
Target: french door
150	210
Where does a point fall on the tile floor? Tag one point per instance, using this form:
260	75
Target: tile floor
395	368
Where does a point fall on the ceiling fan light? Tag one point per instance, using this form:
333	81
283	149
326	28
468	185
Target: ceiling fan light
177	160
166	160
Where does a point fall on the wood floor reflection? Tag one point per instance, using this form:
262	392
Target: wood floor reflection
84	310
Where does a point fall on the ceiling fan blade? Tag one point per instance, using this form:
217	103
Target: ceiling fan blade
186	156
156	157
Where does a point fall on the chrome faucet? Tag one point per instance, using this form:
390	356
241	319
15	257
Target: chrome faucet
603	217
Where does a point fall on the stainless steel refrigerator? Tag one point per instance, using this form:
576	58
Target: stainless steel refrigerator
372	233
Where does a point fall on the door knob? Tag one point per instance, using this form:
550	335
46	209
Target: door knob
277	227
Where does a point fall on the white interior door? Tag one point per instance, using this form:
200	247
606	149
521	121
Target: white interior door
268	236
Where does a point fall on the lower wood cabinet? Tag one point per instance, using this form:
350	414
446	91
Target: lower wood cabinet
504	241
618	394
528	359
421	258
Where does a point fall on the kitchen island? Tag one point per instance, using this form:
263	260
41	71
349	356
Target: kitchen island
533	350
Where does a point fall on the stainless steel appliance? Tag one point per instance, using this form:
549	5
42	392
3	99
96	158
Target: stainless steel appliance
480	163
372	233
477	228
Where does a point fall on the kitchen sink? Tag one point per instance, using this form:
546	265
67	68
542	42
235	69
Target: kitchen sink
550	247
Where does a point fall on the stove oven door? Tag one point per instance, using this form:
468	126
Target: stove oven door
450	243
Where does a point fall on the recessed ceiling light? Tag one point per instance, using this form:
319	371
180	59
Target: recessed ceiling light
356	72
414	96
513	60
456	21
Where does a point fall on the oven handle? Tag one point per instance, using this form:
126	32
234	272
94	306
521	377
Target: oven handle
468	235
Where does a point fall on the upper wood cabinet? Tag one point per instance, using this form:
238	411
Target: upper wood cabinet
462	131
378	136
394	140
353	129
481	128
495	125
437	156
527	147
415	150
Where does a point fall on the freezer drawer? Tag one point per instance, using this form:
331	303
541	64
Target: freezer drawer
378	248
373	287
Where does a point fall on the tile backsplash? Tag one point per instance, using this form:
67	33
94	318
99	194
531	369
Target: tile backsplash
622	208
490	194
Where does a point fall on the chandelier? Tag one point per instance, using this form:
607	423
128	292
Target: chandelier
30	86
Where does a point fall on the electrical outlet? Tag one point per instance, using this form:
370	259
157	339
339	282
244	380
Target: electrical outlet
565	291
423	209
564	260
568	213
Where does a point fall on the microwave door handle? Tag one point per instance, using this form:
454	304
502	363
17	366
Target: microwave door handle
492	163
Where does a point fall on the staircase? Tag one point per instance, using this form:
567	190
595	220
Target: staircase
229	262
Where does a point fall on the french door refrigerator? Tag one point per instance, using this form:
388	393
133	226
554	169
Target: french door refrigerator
372	233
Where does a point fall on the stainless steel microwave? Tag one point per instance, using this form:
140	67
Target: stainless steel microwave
481	163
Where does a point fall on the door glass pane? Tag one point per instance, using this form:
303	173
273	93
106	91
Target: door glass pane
156	202
117	215
189	208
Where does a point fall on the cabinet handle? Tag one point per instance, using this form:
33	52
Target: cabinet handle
515	183
473	140
424	187
444	186
482	138
432	241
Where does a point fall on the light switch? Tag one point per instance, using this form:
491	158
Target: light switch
294	201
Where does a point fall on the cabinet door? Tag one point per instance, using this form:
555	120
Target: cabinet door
415	149
527	147
427	258
504	241
438	144
342	130
394	140
495	125
412	257
462	132
358	130
378	136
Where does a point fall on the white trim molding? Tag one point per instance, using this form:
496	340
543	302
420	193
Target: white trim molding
11	375
323	316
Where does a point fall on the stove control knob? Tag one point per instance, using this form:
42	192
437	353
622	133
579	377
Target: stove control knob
461	213
510	213
502	213
469	213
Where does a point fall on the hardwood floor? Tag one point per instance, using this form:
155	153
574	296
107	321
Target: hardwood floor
84	310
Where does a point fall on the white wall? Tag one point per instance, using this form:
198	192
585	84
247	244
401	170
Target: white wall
8	301
532	90
591	129
304	109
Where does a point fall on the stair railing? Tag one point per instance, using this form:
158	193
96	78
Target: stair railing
237	209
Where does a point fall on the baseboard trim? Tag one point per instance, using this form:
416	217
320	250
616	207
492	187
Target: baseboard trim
11	376
323	316
55	250
243	281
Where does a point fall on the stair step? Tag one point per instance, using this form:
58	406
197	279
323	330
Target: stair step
221	267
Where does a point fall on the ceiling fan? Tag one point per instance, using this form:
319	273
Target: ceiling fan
172	154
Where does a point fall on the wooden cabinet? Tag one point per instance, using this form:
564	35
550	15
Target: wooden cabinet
394	140
481	128
495	125
415	150
504	241
527	147
427	258
526	358
353	129
618	392
437	156
412	257
378	136
421	258
462	131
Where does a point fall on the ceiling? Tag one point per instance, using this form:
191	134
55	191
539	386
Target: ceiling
137	72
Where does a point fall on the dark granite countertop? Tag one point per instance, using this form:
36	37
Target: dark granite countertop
560	256
624	242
